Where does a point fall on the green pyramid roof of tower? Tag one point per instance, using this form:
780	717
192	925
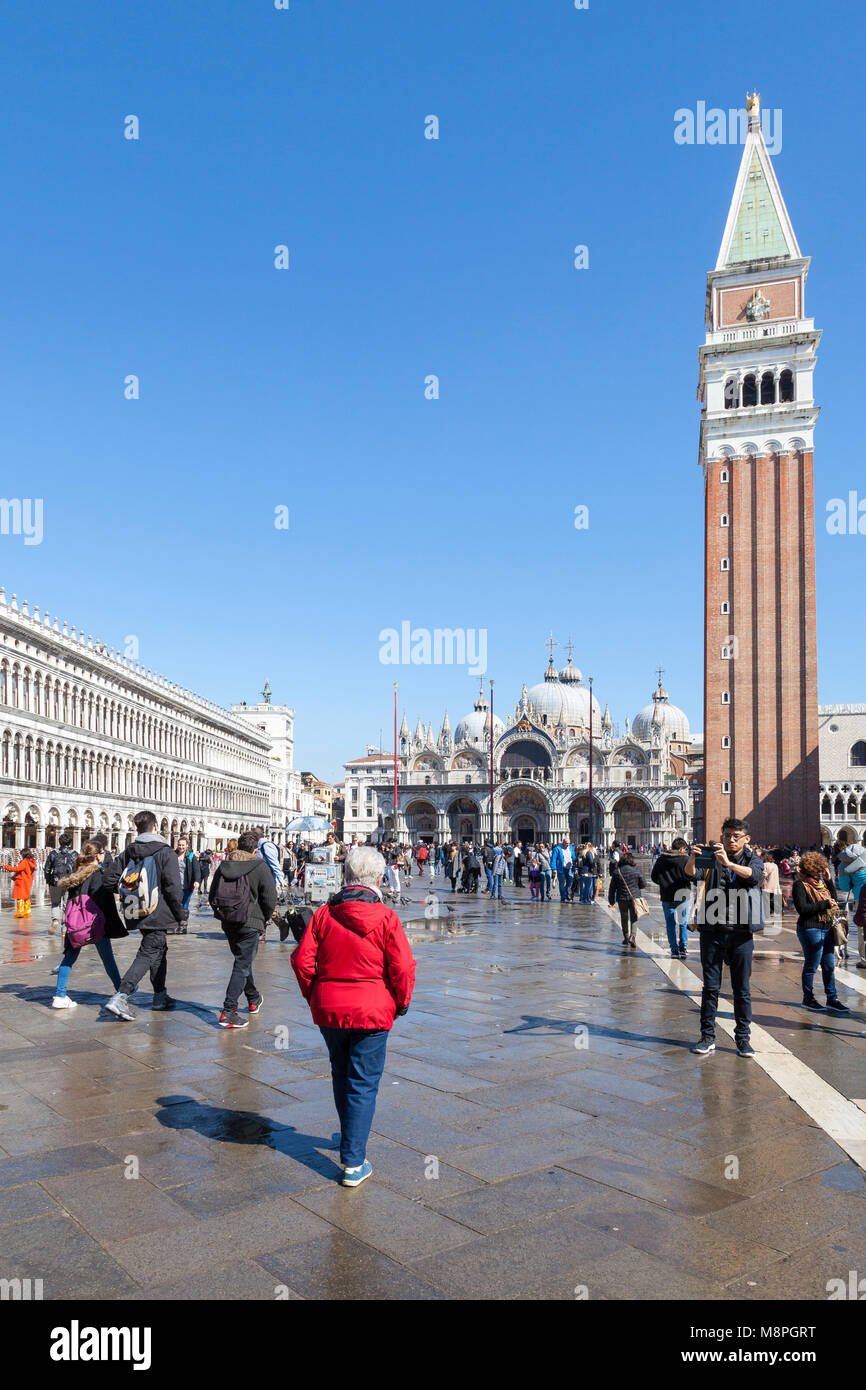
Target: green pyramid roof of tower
757	231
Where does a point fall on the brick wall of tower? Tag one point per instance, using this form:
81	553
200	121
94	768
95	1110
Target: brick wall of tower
772	717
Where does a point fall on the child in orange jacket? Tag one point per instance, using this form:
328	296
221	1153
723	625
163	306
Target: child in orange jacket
23	874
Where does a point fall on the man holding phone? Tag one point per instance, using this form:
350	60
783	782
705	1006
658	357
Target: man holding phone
729	912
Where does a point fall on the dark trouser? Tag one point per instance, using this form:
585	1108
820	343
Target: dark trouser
357	1060
818	945
518	875
452	879
628	917
151	956
474	875
734	949
205	875
244	942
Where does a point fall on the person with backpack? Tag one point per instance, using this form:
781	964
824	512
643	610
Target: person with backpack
58	863
189	870
243	896
23	874
92	919
147	879
675	891
356	971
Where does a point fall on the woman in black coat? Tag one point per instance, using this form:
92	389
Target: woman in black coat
626	883
86	879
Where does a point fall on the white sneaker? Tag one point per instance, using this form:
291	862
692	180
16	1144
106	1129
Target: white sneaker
63	1002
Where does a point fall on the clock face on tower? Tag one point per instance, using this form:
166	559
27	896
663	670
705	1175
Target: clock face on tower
757	308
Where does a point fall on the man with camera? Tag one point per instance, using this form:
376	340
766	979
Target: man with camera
729	911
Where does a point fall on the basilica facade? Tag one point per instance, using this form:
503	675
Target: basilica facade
645	779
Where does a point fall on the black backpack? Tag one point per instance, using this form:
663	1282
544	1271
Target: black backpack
231	899
297	919
59	863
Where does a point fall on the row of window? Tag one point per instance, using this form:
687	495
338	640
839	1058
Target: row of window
65	766
755	390
30	692
840	809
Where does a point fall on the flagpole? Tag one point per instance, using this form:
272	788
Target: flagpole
395	760
492	834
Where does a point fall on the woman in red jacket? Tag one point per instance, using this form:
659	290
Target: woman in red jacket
22	884
356	971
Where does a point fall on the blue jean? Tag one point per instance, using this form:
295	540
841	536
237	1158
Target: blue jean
489	873
357	1061
70	956
676	920
497	885
586	882
545	885
564	877
185	900
818	945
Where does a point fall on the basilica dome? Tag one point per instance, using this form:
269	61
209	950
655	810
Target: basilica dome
475	727
566	702
570	675
661	714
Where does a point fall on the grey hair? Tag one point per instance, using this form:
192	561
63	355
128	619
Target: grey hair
364	866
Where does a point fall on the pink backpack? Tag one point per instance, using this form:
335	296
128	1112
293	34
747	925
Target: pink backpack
85	922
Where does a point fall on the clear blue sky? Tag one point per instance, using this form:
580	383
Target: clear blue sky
408	257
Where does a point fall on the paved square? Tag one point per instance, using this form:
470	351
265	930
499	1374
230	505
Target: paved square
542	1129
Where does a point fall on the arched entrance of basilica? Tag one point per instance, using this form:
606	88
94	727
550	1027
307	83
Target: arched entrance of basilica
526	813
464	819
579	828
421	822
524	831
631	821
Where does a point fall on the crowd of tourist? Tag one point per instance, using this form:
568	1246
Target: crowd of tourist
353	962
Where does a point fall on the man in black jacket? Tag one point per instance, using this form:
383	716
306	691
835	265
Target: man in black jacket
730	909
259	896
675	891
167	916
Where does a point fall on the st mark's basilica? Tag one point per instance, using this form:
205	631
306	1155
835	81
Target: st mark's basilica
645	778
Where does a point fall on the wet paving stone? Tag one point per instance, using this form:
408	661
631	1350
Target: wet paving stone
337	1266
514	1157
19	1203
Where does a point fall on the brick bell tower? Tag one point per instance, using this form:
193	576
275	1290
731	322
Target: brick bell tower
757	421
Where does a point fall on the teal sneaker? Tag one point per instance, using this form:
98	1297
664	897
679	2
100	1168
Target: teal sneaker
353	1177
